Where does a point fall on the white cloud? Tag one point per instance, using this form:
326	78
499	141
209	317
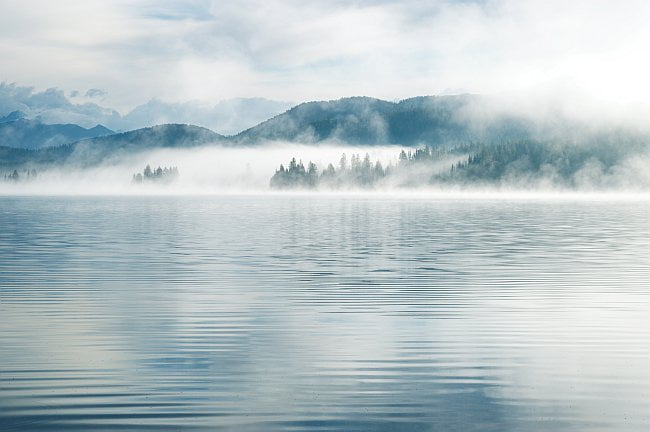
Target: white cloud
95	93
214	50
52	106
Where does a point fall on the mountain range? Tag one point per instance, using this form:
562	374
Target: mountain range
92	151
435	121
17	131
54	106
429	120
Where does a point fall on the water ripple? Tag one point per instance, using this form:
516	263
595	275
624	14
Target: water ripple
323	313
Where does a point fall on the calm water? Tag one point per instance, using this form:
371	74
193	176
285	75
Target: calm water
323	313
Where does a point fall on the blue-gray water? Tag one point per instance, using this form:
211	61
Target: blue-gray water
324	313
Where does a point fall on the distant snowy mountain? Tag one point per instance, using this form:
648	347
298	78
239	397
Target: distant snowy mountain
52	106
12	116
227	117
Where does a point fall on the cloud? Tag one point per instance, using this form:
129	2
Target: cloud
94	93
226	117
52	106
291	50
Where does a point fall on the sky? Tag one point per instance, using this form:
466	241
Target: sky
122	54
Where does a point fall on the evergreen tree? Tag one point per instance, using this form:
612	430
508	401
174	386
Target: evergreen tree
402	157
160	174
312	174
343	163
378	171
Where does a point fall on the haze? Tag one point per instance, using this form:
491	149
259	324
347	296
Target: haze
122	54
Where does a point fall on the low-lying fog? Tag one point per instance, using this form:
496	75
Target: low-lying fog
248	170
205	170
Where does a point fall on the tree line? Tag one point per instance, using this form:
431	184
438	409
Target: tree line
16	176
559	162
467	163
160	174
355	172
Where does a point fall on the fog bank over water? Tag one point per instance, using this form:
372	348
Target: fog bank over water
206	170
247	170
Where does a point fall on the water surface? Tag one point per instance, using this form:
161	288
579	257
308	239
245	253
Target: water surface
266	313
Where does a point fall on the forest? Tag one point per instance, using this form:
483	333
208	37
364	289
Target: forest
362	172
158	175
22	175
600	163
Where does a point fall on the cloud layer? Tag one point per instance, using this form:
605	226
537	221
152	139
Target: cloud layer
214	50
53	106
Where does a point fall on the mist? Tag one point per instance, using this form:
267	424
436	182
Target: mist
216	169
202	170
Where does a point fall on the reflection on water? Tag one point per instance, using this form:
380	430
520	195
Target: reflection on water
323	313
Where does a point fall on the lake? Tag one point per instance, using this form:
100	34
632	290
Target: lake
324	313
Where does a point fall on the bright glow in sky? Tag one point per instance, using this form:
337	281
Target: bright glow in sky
303	50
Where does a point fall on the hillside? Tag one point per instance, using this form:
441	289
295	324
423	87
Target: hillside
19	132
95	150
441	123
432	120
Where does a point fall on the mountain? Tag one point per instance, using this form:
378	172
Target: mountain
96	150
227	117
12	116
54	106
16	131
429	120
355	119
442	122
161	136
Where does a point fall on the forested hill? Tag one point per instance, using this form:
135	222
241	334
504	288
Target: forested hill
610	162
96	150
440	122
431	120
161	136
17	131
